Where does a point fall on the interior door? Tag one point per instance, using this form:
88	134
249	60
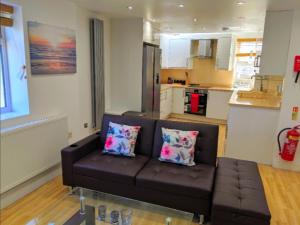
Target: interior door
148	80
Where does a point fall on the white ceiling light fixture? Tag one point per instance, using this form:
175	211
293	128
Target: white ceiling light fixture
181	5
195	20
240	3
130	7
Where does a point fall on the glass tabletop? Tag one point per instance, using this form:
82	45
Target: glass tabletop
87	207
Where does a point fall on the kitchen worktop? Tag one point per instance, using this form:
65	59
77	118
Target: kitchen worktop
207	87
271	102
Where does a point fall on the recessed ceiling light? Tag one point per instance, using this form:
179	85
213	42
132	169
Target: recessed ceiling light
241	3
130	7
195	20
181	5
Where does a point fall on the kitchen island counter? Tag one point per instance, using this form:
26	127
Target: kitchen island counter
271	102
205	87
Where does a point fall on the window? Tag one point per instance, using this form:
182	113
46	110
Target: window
247	58
5	100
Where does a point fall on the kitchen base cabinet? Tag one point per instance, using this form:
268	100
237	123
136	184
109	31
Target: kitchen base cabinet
178	100
218	104
166	101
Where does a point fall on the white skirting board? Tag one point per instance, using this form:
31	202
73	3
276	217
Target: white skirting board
31	149
27	187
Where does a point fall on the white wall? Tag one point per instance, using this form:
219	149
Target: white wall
276	40
126	64
291	94
63	94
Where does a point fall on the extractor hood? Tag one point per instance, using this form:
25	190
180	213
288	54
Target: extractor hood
202	48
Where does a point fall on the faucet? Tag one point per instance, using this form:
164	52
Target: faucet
261	78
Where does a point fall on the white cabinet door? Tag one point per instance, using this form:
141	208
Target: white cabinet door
164	46
224	51
179	53
169	101
166	97
217	104
178	100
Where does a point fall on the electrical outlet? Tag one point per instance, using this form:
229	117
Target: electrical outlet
70	134
85	125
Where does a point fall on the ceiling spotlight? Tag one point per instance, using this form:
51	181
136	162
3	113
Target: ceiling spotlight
130	7
195	20
241	3
181	5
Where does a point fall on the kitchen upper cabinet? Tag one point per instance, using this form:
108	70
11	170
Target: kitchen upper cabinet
178	100
179	53
217	104
224	53
175	53
166	101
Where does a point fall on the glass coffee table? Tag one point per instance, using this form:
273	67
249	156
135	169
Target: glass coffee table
86	207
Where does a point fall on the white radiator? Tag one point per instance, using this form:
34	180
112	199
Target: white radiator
30	149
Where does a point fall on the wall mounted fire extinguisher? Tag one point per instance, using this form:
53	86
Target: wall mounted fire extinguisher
297	67
290	144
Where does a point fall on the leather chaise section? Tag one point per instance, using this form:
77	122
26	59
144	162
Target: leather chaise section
239	196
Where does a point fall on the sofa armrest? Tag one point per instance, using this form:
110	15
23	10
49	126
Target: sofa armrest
75	152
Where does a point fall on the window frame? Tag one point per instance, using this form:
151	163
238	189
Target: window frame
5	72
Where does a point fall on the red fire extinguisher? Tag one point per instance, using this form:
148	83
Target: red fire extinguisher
290	144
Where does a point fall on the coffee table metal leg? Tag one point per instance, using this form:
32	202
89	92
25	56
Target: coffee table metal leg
168	221
82	201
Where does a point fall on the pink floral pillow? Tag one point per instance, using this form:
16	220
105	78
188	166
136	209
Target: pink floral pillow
121	139
178	146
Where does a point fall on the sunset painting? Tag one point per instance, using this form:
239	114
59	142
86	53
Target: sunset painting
52	49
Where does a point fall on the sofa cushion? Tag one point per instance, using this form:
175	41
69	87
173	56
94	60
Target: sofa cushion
178	146
206	145
108	167
144	141
239	196
121	139
196	181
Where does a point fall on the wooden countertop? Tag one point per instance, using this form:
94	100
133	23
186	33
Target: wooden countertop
272	102
214	88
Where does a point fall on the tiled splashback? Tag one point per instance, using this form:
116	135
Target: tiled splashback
204	72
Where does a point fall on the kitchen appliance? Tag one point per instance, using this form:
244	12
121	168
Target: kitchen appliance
202	48
151	80
195	101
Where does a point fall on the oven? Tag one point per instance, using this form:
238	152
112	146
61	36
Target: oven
195	101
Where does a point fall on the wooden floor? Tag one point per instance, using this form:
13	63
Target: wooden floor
282	190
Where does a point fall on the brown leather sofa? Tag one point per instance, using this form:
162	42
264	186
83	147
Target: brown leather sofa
144	177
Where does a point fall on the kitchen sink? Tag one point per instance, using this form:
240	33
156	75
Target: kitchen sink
254	94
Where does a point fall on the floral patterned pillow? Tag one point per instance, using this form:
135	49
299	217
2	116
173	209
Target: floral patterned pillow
178	146
121	139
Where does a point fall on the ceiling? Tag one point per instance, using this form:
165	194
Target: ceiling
209	15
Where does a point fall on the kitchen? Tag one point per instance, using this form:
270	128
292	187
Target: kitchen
196	76
221	79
